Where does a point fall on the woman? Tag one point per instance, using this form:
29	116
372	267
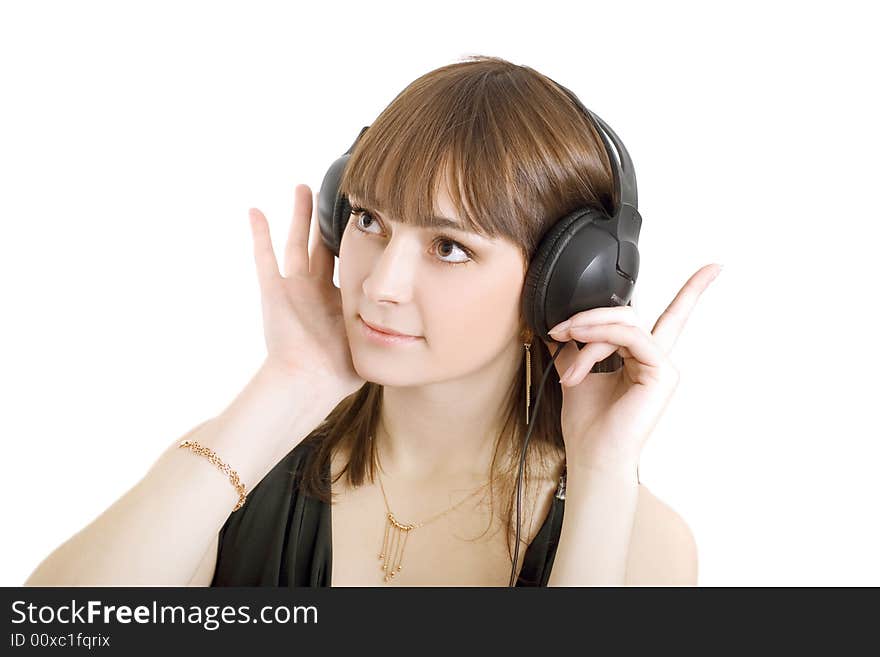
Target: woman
416	439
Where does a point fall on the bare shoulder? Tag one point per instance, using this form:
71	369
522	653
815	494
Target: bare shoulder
663	551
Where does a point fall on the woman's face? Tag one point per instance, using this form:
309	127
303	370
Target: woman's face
457	292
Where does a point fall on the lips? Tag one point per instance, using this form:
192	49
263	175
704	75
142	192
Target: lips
388	331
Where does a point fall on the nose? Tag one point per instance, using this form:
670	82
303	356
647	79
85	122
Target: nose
392	276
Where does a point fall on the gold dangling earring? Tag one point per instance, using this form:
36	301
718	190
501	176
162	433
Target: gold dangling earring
528	346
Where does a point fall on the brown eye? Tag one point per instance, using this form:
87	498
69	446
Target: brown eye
358	213
452	246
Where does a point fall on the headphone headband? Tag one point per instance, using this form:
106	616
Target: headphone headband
622	167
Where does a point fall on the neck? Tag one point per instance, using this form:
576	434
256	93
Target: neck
443	432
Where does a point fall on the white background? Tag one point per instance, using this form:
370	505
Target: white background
135	136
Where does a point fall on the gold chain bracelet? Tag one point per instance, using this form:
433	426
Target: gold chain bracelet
213	458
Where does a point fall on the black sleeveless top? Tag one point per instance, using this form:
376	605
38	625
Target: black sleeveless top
281	536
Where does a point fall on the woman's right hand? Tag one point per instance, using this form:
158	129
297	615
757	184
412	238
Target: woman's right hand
302	310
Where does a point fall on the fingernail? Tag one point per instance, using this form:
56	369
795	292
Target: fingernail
565	376
560	327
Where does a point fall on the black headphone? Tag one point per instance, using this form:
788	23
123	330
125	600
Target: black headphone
586	260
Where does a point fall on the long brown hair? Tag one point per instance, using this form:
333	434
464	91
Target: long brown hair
518	155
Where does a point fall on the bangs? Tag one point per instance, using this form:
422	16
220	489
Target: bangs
399	168
508	146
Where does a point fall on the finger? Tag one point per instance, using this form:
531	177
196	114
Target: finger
640	344
264	254
671	322
615	315
602	315
320	256
296	254
586	358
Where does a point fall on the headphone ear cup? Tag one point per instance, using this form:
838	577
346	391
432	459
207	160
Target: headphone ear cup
542	268
332	206
341	211
575	269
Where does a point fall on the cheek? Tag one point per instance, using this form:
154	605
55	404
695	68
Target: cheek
478	312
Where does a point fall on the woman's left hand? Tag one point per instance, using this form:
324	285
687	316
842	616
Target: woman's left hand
607	417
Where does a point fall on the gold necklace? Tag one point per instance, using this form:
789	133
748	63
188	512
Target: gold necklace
392	545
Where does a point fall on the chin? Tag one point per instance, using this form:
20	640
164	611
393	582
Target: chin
383	370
